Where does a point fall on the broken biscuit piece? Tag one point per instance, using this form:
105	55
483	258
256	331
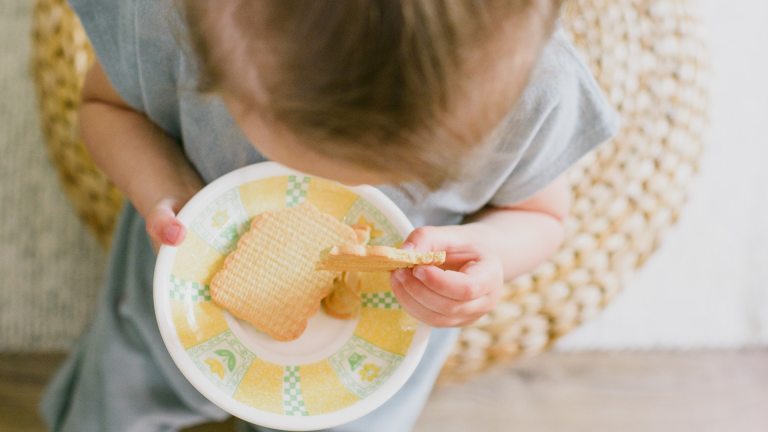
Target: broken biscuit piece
355	257
363	233
344	300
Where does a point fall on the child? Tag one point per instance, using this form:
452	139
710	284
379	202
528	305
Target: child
465	113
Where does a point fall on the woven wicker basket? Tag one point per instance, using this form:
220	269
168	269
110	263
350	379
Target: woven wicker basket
649	60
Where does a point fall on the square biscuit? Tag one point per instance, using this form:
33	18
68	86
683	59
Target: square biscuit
270	279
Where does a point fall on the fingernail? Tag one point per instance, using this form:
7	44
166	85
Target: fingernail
407	246
418	273
171	233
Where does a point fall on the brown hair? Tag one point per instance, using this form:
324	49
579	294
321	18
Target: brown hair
354	78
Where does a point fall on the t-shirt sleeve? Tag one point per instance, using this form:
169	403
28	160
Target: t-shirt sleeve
111	28
140	46
561	115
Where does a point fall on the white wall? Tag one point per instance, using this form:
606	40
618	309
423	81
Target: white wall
708	284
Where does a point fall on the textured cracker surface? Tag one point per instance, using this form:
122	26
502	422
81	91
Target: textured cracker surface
270	280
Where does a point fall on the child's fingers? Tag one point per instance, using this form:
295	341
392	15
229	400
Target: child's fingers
425	296
418	311
430	238
174	233
457	285
438	303
428	306
163	226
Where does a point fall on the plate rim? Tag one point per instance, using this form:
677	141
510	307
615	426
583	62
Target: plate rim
184	363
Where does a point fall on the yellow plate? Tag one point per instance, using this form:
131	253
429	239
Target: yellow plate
338	370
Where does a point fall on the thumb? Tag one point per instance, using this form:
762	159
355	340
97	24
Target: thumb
459	250
431	238
163	226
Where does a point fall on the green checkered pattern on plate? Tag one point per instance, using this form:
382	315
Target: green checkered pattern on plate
293	401
297	190
185	290
385	300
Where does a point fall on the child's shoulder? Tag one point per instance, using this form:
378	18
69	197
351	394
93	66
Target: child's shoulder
560	116
131	37
560	91
560	78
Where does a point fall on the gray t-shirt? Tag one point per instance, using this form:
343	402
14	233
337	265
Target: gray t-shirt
560	116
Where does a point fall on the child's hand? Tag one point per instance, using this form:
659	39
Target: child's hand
466	287
145	163
160	197
162	225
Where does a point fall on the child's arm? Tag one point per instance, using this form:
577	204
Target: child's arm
495	245
142	161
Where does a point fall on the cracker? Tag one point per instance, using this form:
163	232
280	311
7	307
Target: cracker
363	233
344	300
270	280
354	257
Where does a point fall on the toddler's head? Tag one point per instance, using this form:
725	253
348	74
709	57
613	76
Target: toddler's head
369	91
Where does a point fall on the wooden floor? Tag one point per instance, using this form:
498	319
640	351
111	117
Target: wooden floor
698	391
